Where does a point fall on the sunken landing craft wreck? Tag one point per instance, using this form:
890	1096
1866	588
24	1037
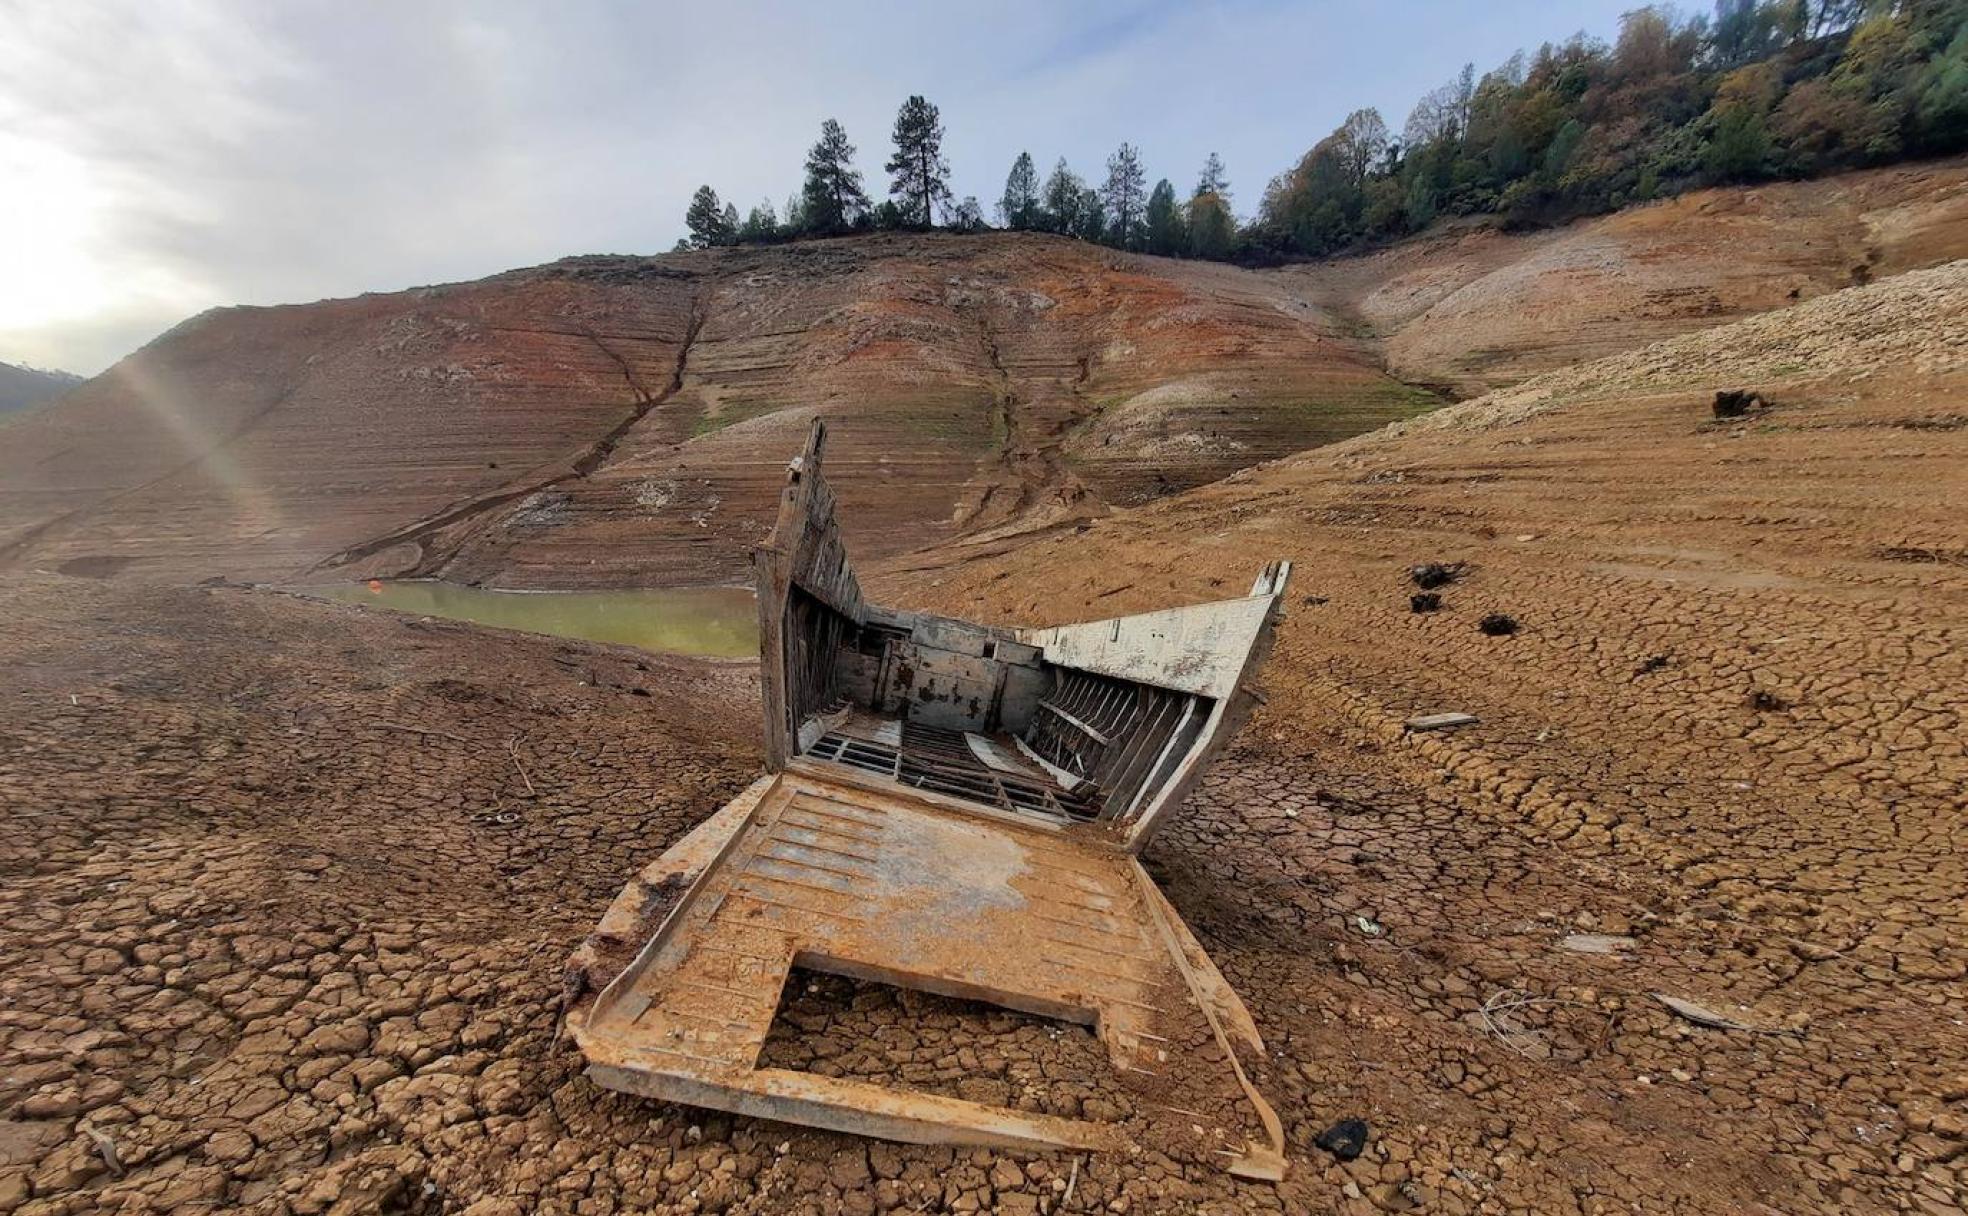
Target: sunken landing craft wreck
957	809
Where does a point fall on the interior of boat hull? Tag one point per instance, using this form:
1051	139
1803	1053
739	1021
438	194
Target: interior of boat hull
956	808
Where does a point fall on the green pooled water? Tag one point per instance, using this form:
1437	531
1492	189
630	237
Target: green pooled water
716	622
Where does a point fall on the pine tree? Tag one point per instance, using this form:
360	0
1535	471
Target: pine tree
1163	221
1126	184
1063	191
920	177
1092	224
707	220
761	226
731	223
832	200
968	216
1211	180
1019	208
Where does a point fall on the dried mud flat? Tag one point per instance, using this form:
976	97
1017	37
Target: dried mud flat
287	887
1728	728
269	951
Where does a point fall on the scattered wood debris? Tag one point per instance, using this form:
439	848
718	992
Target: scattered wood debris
512	748
1701	1015
106	1148
1597	943
1442	721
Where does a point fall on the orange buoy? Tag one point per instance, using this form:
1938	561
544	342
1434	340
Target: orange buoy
375	586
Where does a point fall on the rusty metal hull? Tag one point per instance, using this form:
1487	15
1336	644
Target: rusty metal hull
956	809
828	874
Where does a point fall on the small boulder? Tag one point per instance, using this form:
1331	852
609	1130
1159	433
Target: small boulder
1346	1139
1736	402
1430	575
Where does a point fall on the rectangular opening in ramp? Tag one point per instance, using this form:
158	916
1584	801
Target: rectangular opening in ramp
869	1031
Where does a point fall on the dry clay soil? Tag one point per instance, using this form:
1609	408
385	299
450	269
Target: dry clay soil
288	887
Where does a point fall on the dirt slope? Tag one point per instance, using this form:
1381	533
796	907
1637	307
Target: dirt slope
1732	710
1472	309
611	420
621	421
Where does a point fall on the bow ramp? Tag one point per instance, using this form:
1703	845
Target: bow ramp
955	809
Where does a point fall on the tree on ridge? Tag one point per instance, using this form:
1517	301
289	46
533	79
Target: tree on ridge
1122	195
708	221
1018	208
832	200
919	176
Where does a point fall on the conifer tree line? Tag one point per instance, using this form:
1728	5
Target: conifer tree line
1760	89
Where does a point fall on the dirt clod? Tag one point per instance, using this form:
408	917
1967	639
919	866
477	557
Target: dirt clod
1346	1139
1736	402
1430	575
1764	700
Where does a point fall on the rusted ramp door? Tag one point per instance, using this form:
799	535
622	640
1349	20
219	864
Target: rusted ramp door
806	871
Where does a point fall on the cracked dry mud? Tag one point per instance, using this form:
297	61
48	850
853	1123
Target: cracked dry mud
286	888
838	1027
1728	728
269	950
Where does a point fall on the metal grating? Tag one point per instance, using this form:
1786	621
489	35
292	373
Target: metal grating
940	761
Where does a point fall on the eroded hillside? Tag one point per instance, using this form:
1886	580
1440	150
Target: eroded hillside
611	421
1472	309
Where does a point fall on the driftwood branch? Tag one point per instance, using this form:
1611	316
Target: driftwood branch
512	747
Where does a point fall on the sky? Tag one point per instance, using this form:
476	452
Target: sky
162	157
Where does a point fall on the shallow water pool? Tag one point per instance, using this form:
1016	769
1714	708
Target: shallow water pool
716	622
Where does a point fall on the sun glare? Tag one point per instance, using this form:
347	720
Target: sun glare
48	225
62	275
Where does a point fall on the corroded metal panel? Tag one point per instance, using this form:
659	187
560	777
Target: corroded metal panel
1199	648
824	875
808	600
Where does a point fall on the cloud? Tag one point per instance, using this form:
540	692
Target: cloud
180	154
